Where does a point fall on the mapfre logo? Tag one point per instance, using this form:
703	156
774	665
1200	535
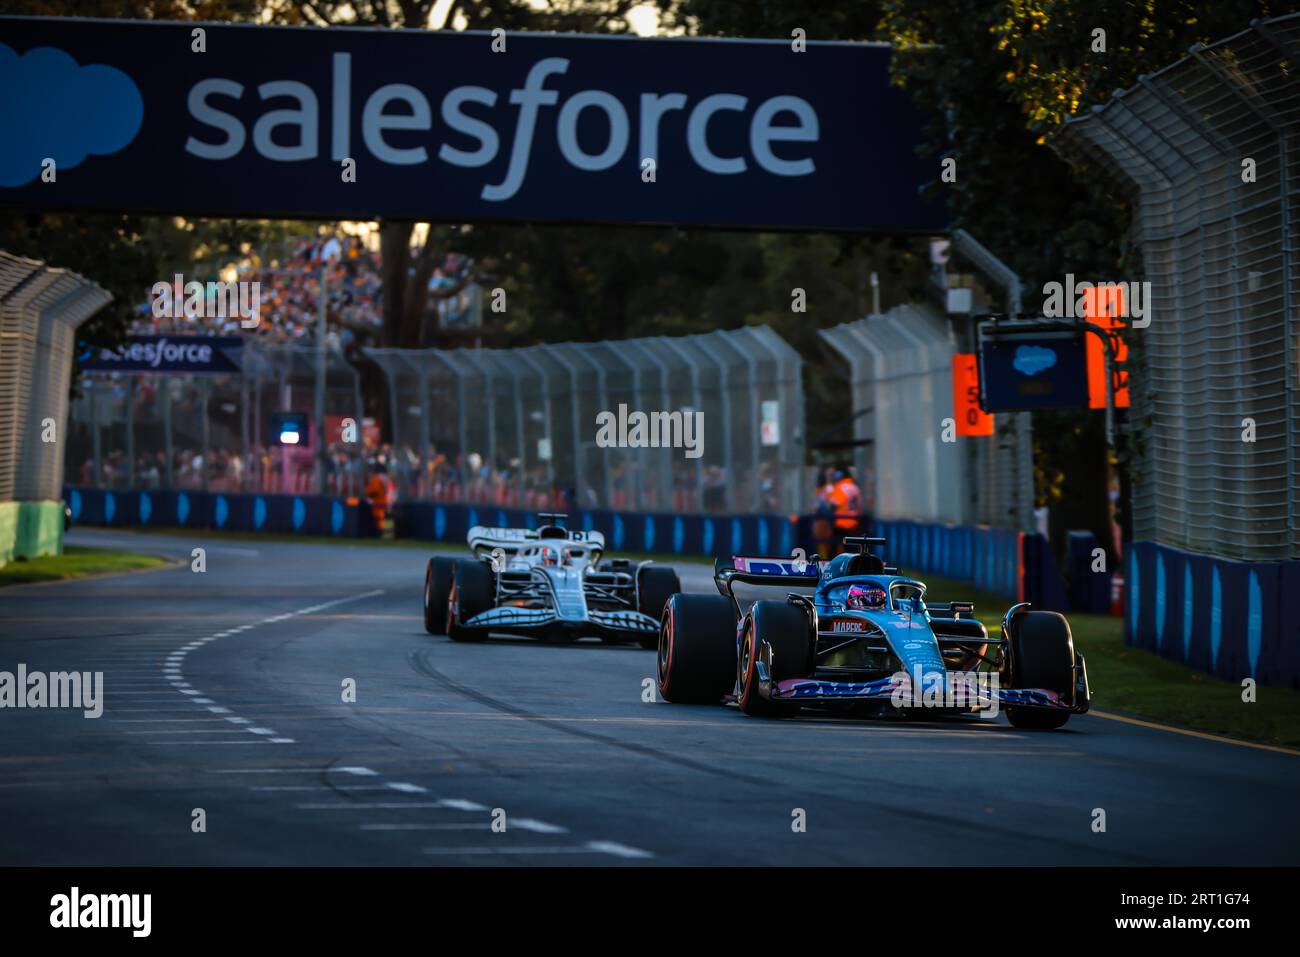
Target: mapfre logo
848	625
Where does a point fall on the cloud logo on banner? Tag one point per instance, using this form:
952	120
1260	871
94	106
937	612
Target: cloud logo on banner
57	109
1031	360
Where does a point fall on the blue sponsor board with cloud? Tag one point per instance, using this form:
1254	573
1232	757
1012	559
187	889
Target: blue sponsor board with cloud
557	128
55	108
1033	372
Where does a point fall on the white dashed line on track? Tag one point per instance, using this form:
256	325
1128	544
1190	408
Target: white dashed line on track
591	847
371	806
174	675
460	826
317	787
535	826
456	804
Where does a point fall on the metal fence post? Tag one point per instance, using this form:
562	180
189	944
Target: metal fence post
168	449
579	455
696	399
93	391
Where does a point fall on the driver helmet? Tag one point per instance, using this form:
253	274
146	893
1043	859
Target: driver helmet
865	597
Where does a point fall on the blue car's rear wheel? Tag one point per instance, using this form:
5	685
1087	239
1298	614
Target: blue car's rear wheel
655	584
697	649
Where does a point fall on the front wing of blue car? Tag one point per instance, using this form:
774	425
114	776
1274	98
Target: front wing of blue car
960	690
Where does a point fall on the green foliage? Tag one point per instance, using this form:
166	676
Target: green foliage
819	19
995	79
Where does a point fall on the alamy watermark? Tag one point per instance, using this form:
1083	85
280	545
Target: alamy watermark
1082	300
75	909
974	690
179	299
57	689
683	429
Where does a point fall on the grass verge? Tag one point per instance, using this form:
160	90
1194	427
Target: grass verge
76	562
1135	682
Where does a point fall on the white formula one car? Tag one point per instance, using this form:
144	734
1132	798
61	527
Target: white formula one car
548	583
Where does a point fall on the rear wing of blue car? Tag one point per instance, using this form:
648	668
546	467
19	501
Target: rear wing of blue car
765	570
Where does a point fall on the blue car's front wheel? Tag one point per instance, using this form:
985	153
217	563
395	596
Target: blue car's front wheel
780	635
1042	658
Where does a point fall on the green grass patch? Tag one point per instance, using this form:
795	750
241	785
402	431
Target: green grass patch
76	562
1136	682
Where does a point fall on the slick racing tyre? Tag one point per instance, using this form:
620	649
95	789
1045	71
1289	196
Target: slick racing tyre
473	591
697	649
786	631
437	589
655	584
1042	656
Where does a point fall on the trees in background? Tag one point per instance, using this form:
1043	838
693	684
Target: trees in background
995	78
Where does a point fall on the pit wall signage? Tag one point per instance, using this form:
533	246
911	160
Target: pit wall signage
435	125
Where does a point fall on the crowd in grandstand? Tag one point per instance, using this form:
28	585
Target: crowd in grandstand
289	286
290	295
441	477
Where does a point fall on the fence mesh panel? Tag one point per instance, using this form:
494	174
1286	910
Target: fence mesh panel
900	380
520	426
1211	148
40	310
210	432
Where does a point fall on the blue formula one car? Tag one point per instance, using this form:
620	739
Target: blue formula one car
864	641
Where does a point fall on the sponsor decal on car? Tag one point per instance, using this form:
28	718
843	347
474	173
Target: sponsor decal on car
775	566
852	626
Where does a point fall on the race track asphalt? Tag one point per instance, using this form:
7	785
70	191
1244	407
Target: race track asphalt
223	693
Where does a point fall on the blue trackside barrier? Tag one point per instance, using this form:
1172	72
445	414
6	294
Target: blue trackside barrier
661	533
1043	585
1225	617
1005	562
988	558
1014	565
1089	590
225	511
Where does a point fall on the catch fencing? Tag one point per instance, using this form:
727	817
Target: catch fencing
512	428
522	427
135	430
900	383
1211	148
40	310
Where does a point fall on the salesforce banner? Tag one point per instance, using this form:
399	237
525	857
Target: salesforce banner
458	127
214	355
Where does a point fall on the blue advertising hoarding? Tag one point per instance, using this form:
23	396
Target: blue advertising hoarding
212	355
435	125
